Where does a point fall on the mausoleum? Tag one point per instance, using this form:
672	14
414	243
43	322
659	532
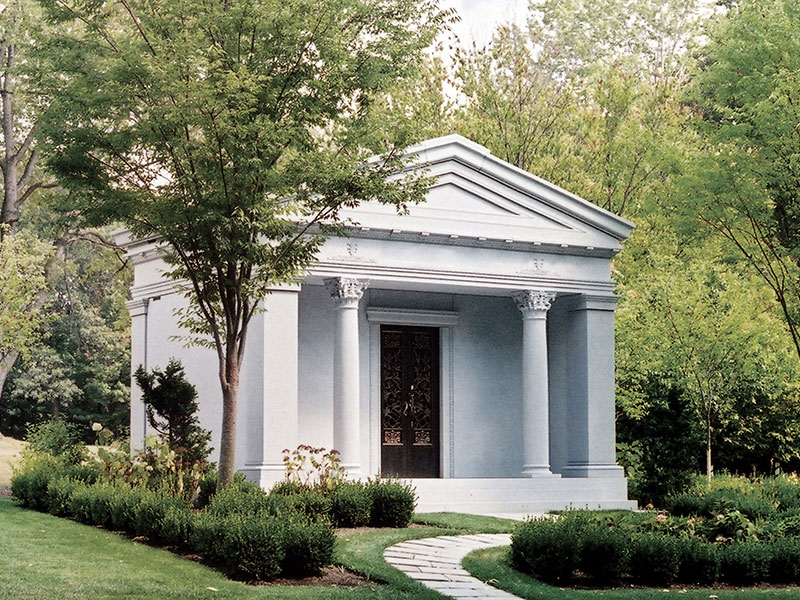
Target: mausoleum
467	346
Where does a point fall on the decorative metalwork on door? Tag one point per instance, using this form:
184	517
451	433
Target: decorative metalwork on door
410	401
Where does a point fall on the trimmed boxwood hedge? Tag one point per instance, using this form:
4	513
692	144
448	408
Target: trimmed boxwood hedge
608	549
242	529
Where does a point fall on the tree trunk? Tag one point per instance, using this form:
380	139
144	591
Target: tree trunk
6	364
709	467
230	398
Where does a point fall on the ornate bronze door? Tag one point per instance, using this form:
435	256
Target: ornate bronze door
409	401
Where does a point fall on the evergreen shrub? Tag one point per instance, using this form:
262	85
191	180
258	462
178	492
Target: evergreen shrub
745	563
655	559
350	505
393	503
604	552
546	549
699	562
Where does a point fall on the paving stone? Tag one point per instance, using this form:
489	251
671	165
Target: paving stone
436	563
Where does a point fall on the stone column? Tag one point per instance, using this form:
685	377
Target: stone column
138	311
346	419
592	436
534	305
268	398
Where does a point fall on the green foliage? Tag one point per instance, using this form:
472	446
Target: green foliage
655	559
171	405
307	547
392	502
240	498
604	552
350	504
745	563
699	562
59	493
57	438
546	550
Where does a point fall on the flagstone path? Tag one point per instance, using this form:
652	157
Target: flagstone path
436	563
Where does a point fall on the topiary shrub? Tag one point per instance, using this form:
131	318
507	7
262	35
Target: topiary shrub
393	503
150	512
251	547
604	552
655	559
80	504
176	525
124	501
350	505
546	549
699	562
745	563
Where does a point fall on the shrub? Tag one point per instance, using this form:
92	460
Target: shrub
311	504
308	546
243	498
784	563
208	487
149	514
124	501
686	505
393	503
80	504
604	552
546	549
350	505
249	546
171	404
57	438
176	525
29	483
655	559
698	561
745	563
59	492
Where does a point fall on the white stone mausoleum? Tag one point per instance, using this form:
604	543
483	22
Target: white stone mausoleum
467	346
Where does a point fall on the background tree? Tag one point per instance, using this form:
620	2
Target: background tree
231	131
20	105
748	182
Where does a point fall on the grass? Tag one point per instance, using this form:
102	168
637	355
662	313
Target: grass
45	557
9	454
493	566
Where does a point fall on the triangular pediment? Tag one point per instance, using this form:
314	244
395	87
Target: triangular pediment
476	195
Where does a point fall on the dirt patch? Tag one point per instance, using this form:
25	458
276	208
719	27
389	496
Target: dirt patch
330	576
5	492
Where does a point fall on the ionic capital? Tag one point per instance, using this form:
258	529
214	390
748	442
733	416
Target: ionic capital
534	303
346	292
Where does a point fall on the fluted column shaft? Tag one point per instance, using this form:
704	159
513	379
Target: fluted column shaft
534	305
346	293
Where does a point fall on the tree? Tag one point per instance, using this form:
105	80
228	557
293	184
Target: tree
171	405
234	132
748	184
22	288
80	363
18	162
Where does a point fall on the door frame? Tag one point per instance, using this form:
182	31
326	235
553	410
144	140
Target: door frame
445	321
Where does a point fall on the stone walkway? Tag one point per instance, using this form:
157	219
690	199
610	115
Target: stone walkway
436	563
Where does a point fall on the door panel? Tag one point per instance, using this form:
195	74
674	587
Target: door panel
409	401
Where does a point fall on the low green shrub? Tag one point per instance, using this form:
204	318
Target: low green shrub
655	559
80	504
604	552
311	503
149	514
57	438
240	497
124	501
784	560
546	549
250	546
685	505
699	562
176	525
745	563
307	546
350	505
393	502
288	487
59	492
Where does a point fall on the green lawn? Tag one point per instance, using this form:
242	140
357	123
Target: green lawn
46	557
492	565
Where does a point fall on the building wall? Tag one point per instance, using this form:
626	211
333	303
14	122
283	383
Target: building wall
486	413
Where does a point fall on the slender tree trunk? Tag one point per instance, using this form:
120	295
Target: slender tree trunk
6	364
230	400
709	466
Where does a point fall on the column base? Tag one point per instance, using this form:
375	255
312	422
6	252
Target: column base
266	475
537	471
353	472
593	470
